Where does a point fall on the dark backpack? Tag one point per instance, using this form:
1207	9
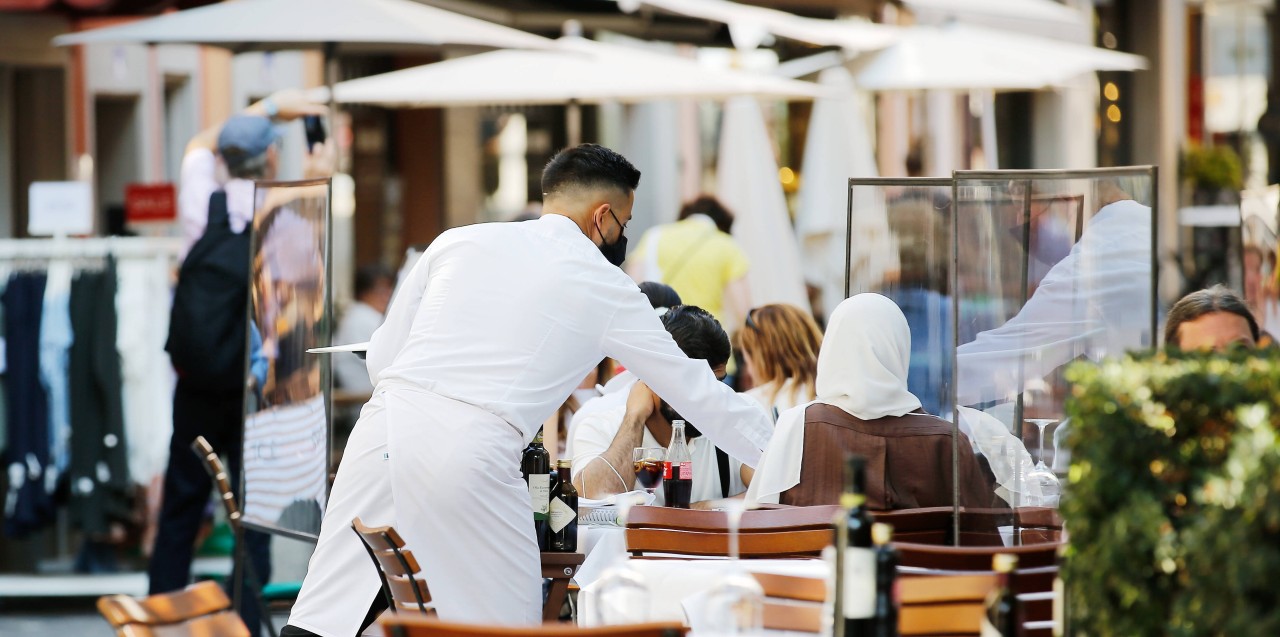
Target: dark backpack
208	325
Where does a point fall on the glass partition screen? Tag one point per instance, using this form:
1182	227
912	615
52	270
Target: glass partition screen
286	425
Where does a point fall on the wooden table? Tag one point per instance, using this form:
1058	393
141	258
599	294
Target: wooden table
559	568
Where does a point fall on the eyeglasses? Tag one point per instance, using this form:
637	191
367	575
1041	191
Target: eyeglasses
750	323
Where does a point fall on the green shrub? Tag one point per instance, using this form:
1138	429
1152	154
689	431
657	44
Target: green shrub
1173	502
1212	168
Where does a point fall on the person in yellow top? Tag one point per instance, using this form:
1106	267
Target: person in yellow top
697	257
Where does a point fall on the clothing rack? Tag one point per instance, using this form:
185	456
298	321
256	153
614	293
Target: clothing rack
90	247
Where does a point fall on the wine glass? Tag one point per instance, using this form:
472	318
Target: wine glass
1041	474
648	466
622	594
735	606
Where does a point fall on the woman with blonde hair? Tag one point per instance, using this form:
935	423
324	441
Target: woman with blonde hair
780	346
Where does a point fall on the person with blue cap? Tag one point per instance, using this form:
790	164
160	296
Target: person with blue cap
208	330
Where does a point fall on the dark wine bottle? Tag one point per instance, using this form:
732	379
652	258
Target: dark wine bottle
563	518
859	567
535	464
1001	617
886	619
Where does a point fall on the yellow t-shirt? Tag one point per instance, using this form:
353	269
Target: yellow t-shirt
695	259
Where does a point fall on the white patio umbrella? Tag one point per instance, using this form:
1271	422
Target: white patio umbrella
1032	17
747	183
333	26
575	70
957	56
751	26
838	146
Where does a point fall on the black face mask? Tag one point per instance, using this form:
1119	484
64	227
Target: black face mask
615	252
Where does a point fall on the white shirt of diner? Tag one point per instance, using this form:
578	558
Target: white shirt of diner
199	180
592	435
509	317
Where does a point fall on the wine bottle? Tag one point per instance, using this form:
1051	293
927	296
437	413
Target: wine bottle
563	518
535	464
1001	616
859	565
677	473
886	618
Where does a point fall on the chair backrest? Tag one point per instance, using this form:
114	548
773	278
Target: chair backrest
939	605
213	464
771	533
401	575
407	626
1032	582
943	605
200	609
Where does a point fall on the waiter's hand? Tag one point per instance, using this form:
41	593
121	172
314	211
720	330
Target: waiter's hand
642	402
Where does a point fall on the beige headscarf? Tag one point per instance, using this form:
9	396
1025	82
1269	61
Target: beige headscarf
862	369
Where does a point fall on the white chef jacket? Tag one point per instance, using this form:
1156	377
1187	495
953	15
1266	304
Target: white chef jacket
509	317
592	434
1096	301
358	324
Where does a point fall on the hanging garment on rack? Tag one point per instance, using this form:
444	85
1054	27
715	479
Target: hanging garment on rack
100	487
55	343
142	303
28	504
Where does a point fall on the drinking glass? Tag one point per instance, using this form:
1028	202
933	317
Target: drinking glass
622	594
736	605
1041	474
648	466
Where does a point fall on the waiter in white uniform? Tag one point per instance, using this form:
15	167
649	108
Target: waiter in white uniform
493	329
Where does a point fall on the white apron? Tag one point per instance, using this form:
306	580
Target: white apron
450	484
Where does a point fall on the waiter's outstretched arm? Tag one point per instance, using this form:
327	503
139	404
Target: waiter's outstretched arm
390	337
735	423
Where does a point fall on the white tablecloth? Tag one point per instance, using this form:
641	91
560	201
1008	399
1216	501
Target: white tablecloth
671	582
603	547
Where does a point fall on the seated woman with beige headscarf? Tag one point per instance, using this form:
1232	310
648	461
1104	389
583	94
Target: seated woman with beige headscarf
863	407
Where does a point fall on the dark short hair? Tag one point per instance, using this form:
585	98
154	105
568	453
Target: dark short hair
698	334
588	166
368	275
660	294
711	207
1218	298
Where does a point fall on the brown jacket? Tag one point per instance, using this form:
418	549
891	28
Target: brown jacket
908	461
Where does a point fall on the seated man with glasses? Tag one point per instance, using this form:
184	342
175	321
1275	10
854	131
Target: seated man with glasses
606	431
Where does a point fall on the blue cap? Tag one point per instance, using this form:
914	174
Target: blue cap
244	137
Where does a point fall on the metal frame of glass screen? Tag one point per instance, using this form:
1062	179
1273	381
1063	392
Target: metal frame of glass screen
918	182
326	365
1151	172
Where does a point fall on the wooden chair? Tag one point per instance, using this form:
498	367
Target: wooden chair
940	605
268	596
771	533
1033	580
978	527
200	610
401	576
405	626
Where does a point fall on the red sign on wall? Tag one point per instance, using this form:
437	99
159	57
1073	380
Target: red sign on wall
150	202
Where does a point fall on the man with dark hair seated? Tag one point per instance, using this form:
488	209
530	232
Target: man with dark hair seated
1214	318
601	441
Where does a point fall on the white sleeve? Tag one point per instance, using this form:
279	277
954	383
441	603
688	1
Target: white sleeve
1102	286
197	181
391	336
635	337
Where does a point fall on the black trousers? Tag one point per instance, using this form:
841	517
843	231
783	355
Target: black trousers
217	417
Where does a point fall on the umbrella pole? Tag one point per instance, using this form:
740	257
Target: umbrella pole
331	78
573	122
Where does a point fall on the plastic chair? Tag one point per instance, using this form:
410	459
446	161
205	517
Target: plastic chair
200	610
406	626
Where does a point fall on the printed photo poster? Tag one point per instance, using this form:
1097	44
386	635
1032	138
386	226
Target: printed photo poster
286	427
